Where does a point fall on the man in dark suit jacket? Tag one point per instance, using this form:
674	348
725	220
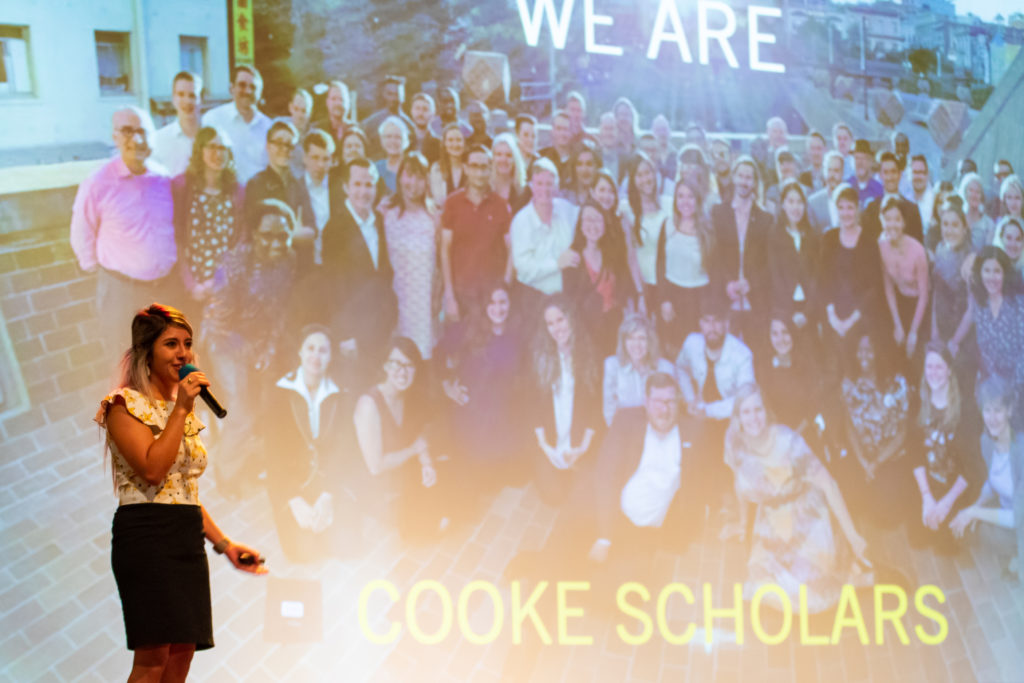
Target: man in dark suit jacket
356	269
644	495
871	219
748	287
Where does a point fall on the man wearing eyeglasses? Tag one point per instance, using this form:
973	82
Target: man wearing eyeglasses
244	123
122	227
276	180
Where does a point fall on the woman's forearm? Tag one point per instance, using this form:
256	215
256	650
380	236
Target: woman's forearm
964	327
998	516
954	492
210	528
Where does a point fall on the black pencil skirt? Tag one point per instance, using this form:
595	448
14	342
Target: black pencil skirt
162	575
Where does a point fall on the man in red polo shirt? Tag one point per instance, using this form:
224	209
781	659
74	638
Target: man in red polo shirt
474	235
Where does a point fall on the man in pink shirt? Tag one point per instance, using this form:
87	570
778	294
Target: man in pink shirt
122	229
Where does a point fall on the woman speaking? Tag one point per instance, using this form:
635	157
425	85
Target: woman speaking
157	546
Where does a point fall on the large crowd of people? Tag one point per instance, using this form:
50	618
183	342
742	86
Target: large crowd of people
801	342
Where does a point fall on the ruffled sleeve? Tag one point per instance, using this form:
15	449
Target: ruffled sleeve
150	413
138	406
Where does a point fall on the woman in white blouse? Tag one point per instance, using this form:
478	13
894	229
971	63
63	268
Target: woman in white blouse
682	265
626	373
644	216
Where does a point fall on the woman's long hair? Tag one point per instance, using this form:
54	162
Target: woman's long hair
147	326
692	154
803	226
519	168
701	223
546	365
1009	182
636	203
1011	277
927	414
612	243
196	171
446	161
413	162
479	330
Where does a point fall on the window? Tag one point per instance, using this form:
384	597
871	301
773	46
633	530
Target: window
113	56
193	55
15	74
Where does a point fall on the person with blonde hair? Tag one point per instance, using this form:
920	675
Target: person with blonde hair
798	509
636	358
972	191
508	172
157	457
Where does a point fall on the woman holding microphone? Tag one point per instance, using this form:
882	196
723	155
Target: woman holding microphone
157	549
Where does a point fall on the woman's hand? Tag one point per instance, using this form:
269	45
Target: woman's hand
799	319
188	389
667	312
911	343
898	334
732	531
568	259
733	290
963	521
450	306
428	474
941	511
455	391
235	552
953	347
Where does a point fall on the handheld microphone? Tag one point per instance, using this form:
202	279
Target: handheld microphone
204	393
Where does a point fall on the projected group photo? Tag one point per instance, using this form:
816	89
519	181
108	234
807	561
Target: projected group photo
530	340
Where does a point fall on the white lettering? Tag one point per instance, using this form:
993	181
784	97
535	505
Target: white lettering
558	24
722	35
755	38
591	20
667	11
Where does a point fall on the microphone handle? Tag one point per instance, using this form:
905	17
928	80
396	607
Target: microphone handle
212	402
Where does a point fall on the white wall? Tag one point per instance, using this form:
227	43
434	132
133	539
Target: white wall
67	107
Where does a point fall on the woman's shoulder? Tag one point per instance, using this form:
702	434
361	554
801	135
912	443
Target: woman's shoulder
138	405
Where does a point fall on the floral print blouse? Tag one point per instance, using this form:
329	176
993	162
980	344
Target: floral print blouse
180	486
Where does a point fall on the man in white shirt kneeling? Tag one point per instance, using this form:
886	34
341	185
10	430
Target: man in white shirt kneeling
645	495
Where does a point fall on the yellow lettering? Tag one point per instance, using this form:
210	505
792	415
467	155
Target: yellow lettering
499	613
446	612
755	614
564	612
667	634
364	622
895	616
635	612
735	612
805	630
929	613
848	601
520	612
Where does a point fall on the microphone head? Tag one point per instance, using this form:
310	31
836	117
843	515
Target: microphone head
186	370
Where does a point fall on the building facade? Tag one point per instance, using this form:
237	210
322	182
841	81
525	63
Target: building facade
67	66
